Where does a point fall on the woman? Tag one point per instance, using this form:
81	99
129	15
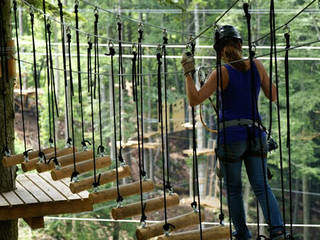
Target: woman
239	141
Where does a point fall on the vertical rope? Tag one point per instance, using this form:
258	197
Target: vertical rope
111	54
165	70
75	173
140	77
279	117
136	100
121	87
20	80
83	141
255	111
100	149
195	172
286	64
53	99
36	82
48	73
64	70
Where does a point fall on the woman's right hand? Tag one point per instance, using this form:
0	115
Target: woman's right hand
187	63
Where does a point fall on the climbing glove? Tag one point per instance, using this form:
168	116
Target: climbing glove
187	63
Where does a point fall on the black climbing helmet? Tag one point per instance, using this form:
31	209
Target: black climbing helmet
224	33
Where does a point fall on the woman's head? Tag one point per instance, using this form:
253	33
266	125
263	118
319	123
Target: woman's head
228	44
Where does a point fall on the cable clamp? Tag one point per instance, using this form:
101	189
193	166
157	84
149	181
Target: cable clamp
194	206
6	152
51	144
42	158
69	142
26	155
100	150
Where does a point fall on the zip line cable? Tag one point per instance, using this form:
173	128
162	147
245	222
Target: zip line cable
213	25
138	21
287	23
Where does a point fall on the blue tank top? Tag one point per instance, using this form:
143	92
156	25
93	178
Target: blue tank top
237	104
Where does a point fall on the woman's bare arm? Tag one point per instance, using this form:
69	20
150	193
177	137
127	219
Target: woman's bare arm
265	82
196	97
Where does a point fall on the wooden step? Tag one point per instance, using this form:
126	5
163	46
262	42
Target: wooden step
154	204
37	195
65	160
216	233
178	222
125	191
19	158
32	164
82	167
105	177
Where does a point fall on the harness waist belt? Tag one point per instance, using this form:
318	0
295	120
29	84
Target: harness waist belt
241	122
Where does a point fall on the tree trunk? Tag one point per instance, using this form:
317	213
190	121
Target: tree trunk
8	229
306	206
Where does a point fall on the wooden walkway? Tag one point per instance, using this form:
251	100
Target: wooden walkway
37	195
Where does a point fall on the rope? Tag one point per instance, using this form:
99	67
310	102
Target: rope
53	99
95	182
75	174
286	65
97	76
255	119
135	99
121	87
84	141
20	80
69	140
140	81
287	23
166	226
36	82
195	171
165	66
47	65
111	54
278	116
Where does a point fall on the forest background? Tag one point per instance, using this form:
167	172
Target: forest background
180	18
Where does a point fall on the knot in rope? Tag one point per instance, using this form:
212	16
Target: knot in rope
26	155
96	184
168	227
194	205
74	176
69	141
221	218
84	144
42	157
100	150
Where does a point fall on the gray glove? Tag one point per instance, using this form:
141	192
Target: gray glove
187	63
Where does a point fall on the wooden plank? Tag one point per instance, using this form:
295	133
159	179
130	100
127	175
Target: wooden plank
53	193
24	195
82	195
45	209
12	198
35	222
59	186
33	189
3	201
